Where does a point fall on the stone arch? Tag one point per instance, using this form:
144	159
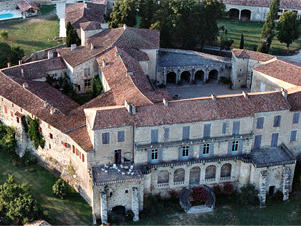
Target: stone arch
213	75
119	210
233	14
245	15
210	172
163	177
171	77
179	175
194	175
226	170
199	76
185	77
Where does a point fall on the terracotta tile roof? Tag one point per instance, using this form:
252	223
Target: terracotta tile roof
243	53
120	37
103	2
192	110
36	69
284	4
137	54
25	5
294	98
90	25
287	72
82	138
77	13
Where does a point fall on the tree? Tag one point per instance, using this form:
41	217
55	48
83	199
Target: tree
60	188
96	86
287	28
7	138
34	132
124	12
17	206
4	35
72	37
242	41
9	54
146	9
268	28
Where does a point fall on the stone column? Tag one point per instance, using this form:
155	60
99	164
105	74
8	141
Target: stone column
103	207
192	75
286	182
135	204
239	15
178	76
164	76
187	175
206	75
262	187
218	173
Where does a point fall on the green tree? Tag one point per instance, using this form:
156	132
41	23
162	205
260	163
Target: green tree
71	36
287	28
242	41
17	204
9	54
124	12
34	132
7	138
268	28
96	86
4	35
146	9
60	188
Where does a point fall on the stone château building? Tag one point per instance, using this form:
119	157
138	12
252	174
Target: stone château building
136	139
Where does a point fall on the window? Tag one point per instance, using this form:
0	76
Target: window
166	133
120	136
293	135
154	155
105	138
5	109
73	149
236	127
18	120
186	133
50	136
87	72
224	129
274	141
260	122
49	146
296	118
207	128
87	85
257	142
277	121
235	145
12	114
154	136
77	152
206	149
185	151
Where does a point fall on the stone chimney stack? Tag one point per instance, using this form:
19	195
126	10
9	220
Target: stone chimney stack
73	47
130	108
165	102
284	93
8	64
50	54
213	97
245	95
20	62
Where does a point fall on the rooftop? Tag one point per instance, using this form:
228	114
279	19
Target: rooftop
248	54
284	4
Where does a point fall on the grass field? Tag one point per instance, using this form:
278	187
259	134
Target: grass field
252	35
73	210
35	33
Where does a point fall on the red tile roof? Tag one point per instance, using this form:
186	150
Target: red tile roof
284	4
192	110
282	70
25	5
247	54
90	25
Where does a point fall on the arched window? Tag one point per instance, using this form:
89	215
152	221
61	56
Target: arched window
226	170
210	172
194	176
171	77
163	177
179	175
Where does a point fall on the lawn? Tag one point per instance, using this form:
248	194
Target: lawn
73	210
33	34
252	35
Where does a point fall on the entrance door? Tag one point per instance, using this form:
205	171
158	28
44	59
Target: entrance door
118	156
271	190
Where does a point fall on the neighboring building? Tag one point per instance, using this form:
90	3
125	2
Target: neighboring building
28	8
134	140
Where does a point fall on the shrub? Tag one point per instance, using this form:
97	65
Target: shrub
7	138
173	194
29	159
228	189
4	35
198	195
217	190
278	196
248	195
60	188
129	215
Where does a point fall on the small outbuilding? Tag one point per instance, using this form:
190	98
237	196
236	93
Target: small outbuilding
28	8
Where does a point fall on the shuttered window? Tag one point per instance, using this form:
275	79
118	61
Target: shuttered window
186	133
260	122
154	136
236	127
257	142
293	135
274	141
296	117
277	120
207	128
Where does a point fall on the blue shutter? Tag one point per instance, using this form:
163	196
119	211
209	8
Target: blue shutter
120	136
274	142
293	135
296	118
166	133
224	130
240	146
105	138
236	127
211	149
257	142
207	128
230	147
201	150
154	136
190	154
277	121
180	153
149	155
160	155
260	122
186	133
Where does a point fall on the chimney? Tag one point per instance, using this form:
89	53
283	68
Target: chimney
53	110
213	97
104	63
130	108
25	85
46	104
245	95
50	54
73	47
125	27
8	64
129	73
165	102
86	5
284	93
20	62
22	73
91	46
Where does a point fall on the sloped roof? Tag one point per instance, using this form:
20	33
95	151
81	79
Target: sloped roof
284	4
25	5
90	25
248	54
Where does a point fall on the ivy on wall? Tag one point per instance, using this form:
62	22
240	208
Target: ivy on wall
32	128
